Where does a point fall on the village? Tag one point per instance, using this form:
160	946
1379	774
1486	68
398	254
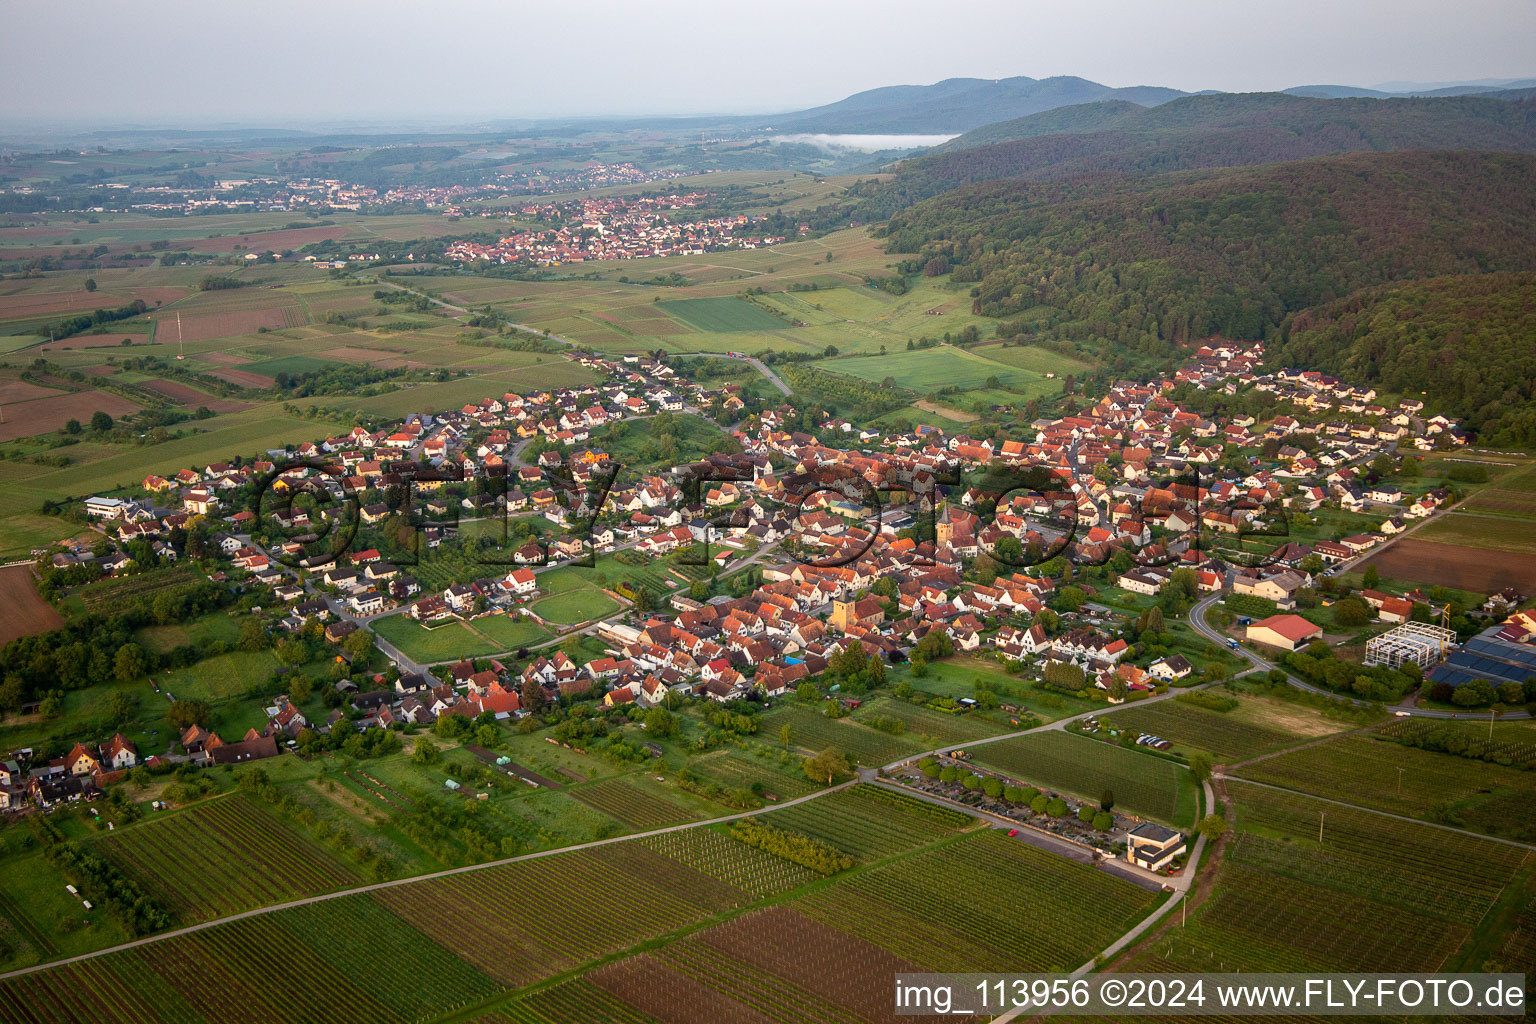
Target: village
1134	485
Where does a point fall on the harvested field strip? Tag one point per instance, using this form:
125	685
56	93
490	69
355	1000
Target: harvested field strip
868	822
512	768
631	804
939	908
731	861
526	921
222	857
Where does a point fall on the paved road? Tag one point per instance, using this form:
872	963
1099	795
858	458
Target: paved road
757	364
1258	663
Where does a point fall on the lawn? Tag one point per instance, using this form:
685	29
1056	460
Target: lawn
448	641
575	606
929	369
509	634
291	365
724	315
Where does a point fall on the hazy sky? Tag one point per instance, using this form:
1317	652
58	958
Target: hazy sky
271	61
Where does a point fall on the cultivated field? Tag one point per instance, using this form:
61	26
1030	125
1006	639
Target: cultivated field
1255	727
1142	783
1465	552
942	908
870	823
811	730
1361	770
628	803
1377	894
728	315
51	411
26	613
222	857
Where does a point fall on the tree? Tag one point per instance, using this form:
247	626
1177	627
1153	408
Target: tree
184	713
359	646
1372	577
828	764
425	752
533	695
90	284
72	426
487	736
786	733
121	707
253	635
1200	767
100	421
807	693
660	723
1069	599
130	662
1213	827
299	689
1107	800
1351	611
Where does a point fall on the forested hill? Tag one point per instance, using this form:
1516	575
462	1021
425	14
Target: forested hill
1171	259
1468	341
1203	132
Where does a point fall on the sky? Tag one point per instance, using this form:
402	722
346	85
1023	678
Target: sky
195	62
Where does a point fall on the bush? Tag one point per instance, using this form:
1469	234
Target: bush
1085	813
1208	700
1103	822
1056	808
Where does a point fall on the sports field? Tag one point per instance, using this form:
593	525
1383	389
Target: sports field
575	606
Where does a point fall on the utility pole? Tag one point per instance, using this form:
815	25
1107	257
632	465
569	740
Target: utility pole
1321	817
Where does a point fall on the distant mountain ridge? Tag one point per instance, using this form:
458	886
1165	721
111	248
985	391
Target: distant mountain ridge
956	105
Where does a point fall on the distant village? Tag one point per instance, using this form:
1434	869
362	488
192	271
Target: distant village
834	576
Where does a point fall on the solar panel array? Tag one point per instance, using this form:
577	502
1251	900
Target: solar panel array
1486	657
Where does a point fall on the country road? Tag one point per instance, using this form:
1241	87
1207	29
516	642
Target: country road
1259	663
